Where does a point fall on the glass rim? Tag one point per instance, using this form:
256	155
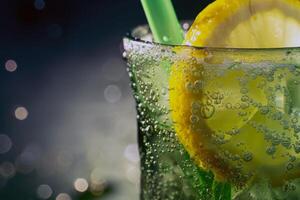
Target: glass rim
130	36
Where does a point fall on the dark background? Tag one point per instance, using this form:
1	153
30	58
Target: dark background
71	80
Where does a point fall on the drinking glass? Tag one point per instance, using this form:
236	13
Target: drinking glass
215	123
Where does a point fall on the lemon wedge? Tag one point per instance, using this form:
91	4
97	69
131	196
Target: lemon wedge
226	117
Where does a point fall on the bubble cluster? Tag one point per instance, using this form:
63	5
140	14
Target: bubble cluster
242	115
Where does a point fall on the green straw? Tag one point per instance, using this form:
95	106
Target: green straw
163	21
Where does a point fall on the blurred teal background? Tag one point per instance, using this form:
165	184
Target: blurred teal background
67	116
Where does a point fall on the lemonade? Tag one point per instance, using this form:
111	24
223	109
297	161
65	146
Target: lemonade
219	117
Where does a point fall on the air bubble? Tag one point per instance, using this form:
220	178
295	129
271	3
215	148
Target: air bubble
271	150
194	119
244	98
289	166
228	106
244	105
207	111
297	147
242	113
247	156
264	110
189	87
286	143
288	187
214	96
294	120
244	90
277	116
198	84
297	129
237	106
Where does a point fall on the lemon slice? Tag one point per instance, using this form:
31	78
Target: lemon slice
247	24
225	117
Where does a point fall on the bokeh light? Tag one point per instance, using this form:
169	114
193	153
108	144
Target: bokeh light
113	69
132	174
131	153
39	4
3	181
25	162
64	160
112	94
81	185
7	170
63	196
186	26
55	31
5	143
21	113
44	191
11	65
98	187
